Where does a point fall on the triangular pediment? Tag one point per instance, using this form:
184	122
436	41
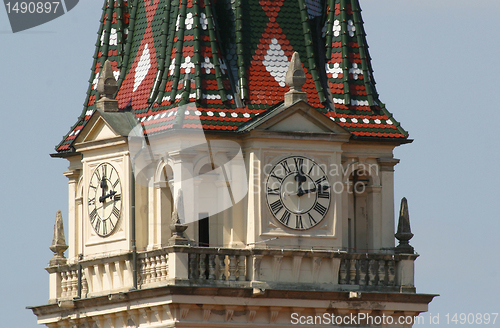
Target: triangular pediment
106	126
300	117
96	130
100	131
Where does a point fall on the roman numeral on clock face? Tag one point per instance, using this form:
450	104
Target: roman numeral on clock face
286	167
116	212
323	194
105	227
312	222
320	209
298	222
277	177
285	217
93	215
298	163
320	180
97	226
276	206
275	191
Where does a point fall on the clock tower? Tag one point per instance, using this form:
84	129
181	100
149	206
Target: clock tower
233	166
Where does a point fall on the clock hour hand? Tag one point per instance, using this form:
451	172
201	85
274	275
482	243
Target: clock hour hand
104	186
315	189
110	195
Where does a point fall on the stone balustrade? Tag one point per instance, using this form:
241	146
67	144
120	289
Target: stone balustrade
252	268
367	272
218	264
153	268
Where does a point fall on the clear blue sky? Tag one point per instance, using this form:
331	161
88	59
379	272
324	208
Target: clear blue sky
436	65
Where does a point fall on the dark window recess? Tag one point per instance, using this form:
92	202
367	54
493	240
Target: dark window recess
203	230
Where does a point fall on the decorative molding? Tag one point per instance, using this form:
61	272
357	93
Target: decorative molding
387	164
298	310
158	313
184	310
257	260
252	311
316	266
278	259
168	308
297	261
109	274
229	312
275	311
146	314
110	318
207	311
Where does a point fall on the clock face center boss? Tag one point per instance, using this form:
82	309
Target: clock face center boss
104	199
298	192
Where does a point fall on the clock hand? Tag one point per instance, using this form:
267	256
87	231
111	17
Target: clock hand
313	190
110	195
104	186
300	176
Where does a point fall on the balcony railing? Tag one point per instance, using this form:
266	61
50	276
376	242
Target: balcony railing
257	268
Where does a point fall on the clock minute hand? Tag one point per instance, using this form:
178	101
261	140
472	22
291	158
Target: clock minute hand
303	192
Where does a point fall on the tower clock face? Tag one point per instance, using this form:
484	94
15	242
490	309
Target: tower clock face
104	199
298	192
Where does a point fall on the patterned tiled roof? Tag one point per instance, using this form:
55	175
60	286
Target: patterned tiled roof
230	57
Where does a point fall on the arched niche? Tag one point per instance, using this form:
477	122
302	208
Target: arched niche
363	224
163	205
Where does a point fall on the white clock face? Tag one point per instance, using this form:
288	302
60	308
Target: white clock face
298	193
104	199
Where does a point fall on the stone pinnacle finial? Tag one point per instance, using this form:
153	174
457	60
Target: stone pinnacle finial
58	242
177	227
404	231
295	79
107	87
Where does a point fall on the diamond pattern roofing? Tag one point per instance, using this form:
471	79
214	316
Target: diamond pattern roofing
230	58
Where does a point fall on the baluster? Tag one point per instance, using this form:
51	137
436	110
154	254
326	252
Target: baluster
362	272
381	273
372	273
158	268
163	267
152	268
64	283
211	267
148	270
85	287
142	272
232	267
74	284
192	266
391	273
222	267
343	272
203	267
241	268
352	272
